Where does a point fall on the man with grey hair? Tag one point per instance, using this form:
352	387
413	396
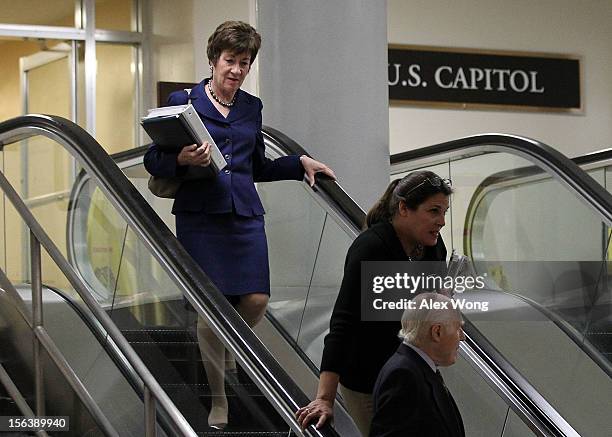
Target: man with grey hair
410	397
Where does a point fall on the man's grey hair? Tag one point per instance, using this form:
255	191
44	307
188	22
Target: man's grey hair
417	322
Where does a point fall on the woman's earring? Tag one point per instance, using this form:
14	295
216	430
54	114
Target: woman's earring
210	66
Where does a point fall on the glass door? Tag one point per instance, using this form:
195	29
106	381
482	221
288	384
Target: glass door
48	86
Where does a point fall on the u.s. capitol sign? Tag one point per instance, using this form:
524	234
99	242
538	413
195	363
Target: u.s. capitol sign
469	78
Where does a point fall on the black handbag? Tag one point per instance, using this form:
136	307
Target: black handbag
164	187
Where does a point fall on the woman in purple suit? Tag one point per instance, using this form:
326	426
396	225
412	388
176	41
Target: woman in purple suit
220	221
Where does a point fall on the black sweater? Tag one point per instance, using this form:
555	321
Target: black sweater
355	349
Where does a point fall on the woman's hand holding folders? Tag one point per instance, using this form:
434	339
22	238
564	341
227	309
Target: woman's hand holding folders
195	155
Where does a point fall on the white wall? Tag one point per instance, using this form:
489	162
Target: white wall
582	28
171	41
207	15
323	80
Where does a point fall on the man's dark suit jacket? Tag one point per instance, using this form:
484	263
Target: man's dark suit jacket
410	400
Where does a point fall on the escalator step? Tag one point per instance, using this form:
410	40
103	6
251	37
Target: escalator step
203	390
161	334
173	356
172	350
249	409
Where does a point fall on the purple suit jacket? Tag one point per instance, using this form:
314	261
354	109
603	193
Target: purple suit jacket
240	139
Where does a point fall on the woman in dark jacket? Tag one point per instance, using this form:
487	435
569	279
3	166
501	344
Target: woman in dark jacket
404	225
220	221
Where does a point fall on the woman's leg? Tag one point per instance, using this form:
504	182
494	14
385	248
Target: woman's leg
360	406
213	358
252	307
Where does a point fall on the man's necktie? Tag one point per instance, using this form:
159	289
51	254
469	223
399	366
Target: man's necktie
451	401
439	375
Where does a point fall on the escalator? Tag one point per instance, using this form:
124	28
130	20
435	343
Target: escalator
140	276
544	241
106	344
585	313
300	307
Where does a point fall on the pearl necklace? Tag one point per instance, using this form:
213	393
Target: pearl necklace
218	100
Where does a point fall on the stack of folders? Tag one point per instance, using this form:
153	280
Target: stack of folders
173	127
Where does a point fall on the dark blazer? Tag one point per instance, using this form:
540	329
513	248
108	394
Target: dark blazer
240	139
410	400
355	349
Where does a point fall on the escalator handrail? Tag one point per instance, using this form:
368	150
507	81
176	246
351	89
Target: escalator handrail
505	176
539	409
520	172
527	402
554	162
532	407
346	205
587	158
593	157
343	201
44	240
580	341
501	179
256	359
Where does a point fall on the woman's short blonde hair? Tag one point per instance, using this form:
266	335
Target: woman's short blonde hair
235	36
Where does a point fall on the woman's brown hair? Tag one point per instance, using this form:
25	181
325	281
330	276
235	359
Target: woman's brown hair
413	189
237	37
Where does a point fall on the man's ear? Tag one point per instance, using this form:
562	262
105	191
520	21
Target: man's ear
436	332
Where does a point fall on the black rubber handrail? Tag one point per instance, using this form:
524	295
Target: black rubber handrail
587	158
346	206
533	170
516	175
592	157
136	152
541	154
521	388
341	199
531	400
578	338
190	278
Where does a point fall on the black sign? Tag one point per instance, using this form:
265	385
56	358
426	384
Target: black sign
425	74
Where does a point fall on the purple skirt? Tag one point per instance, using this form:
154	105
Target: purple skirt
232	250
